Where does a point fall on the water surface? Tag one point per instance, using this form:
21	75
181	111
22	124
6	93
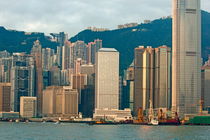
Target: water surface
65	131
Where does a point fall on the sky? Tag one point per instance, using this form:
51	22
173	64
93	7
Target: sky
73	16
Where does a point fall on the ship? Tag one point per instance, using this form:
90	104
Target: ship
153	119
199	120
169	121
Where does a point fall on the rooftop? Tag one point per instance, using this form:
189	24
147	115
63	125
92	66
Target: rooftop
108	50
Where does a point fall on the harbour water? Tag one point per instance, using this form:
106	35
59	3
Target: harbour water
65	131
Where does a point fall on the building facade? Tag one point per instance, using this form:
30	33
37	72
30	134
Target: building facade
37	55
60	101
107	79
5	93
186	61
152	78
28	107
22	79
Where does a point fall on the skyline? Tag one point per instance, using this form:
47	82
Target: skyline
75	15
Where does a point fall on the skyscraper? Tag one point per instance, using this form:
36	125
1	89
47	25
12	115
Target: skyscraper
47	58
95	46
67	56
60	38
152	82
144	70
22	79
186	61
162	93
107	79
37	54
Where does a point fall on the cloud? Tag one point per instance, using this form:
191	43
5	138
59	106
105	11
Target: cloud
73	16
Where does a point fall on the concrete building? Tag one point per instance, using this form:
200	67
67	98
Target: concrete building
186	73
59	56
95	46
112	114
4	54
128	88
80	51
88	93
88	51
65	77
162	94
60	38
5	93
144	70
89	70
107	79
152	82
37	55
22	79
206	85
55	76
60	101
67	56
5	69
28	107
47	58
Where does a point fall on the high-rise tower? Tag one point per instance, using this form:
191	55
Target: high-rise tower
186	61
107	79
37	54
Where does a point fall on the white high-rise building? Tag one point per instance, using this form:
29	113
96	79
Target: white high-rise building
107	79
186	61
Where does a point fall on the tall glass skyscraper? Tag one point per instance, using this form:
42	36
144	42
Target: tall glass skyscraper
186	61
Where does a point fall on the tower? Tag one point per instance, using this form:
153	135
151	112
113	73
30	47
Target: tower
186	57
107	79
37	54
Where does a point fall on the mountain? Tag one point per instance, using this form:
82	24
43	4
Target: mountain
156	33
19	41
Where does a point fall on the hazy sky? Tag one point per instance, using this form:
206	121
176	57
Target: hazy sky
72	16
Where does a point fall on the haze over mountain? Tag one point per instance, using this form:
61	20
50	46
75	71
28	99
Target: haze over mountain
156	33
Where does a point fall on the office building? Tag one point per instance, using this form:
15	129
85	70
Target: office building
88	93
112	114
36	52
128	88
4	54
22	79
186	59
206	85
28	107
107	79
47	58
144	70
67	56
5	69
162	94
60	38
95	46
80	51
5	94
60	101
152	78
59	56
